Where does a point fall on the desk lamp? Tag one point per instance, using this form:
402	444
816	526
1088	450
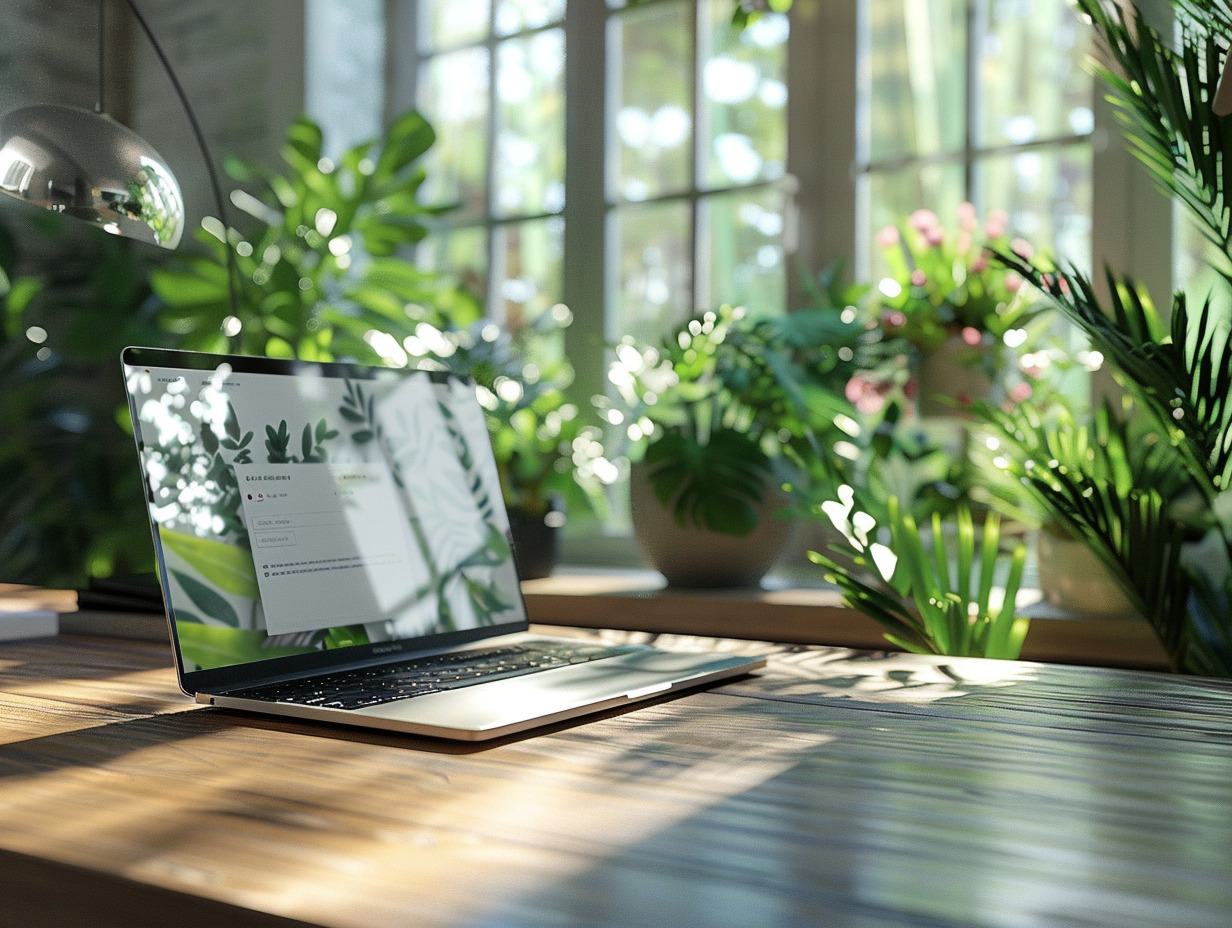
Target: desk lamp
85	164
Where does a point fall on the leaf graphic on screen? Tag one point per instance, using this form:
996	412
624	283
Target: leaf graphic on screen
228	567
207	599
210	646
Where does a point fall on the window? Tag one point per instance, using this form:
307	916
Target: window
696	154
653	187
675	154
980	100
491	80
673	198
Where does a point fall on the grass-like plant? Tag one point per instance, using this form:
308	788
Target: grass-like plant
934	596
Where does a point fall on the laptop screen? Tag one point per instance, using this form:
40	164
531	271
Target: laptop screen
304	509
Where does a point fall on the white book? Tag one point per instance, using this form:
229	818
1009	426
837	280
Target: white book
40	623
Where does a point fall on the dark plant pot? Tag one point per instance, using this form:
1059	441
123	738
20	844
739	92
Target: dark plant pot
535	545
696	558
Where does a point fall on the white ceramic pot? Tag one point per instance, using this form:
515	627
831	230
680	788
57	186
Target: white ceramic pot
698	558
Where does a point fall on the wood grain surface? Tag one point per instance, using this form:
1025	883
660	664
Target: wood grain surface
833	788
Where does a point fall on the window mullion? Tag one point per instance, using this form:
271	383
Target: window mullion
701	131
585	274
971	85
496	251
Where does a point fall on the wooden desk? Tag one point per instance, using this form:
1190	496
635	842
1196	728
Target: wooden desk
832	789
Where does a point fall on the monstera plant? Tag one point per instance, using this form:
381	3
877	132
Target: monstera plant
724	412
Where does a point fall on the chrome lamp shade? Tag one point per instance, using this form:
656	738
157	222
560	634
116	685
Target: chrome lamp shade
87	165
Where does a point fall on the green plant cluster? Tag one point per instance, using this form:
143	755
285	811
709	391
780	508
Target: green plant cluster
1140	482
1137	491
945	282
71	501
319	271
727	407
933	594
318	274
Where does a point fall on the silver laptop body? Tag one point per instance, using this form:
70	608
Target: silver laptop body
332	544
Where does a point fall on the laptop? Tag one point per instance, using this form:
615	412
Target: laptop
332	544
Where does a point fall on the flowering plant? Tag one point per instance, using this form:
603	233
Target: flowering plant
942	283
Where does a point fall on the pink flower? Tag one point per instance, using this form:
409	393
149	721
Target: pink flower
1013	282
971	335
934	236
1020	392
896	319
867	397
918	278
980	264
1022	248
996	223
924	219
966	217
963	242
888	237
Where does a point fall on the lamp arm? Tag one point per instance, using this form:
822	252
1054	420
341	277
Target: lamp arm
102	50
232	269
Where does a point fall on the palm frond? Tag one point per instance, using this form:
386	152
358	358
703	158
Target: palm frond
1116	487
1163	100
1181	376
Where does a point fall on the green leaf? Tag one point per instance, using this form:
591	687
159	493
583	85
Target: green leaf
207	599
228	567
210	646
718	485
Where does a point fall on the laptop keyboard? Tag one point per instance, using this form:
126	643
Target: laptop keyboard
371	686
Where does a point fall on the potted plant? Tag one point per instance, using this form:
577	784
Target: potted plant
722	414
1178	371
1117	449
947	305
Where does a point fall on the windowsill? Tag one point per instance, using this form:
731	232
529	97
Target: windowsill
785	610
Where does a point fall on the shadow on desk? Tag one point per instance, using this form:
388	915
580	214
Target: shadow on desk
33	891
